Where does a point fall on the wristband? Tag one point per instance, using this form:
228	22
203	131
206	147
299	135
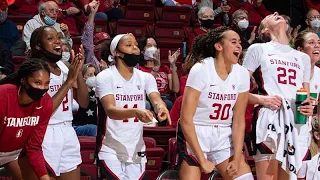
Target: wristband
173	68
155	70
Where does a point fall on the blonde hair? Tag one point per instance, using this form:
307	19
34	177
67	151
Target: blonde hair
314	143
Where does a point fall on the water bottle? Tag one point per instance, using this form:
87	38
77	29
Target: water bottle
300	97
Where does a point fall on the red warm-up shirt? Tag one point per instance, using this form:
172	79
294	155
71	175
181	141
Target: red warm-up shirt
24	127
26	7
313	4
161	78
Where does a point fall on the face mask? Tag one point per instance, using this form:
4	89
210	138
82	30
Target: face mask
51	57
288	27
208	23
3	15
315	24
149	53
91	82
243	24
131	60
35	93
49	21
65	56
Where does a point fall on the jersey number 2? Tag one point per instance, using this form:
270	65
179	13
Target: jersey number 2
220	112
65	101
282	76
135	119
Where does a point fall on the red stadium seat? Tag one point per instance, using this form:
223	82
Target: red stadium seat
171	30
172	152
160	134
76	43
100	25
151	2
165	45
17	60
177	14
154	156
137	27
140	12
20	21
87	148
150	142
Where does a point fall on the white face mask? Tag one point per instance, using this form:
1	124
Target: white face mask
315	24
243	24
65	56
288	27
91	82
149	53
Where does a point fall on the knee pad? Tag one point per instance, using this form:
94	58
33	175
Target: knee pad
247	176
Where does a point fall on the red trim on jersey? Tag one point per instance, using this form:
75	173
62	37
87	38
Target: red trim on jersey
109	170
266	148
306	155
188	154
262	81
49	168
142	176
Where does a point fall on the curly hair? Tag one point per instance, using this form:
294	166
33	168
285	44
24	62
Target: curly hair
25	70
203	46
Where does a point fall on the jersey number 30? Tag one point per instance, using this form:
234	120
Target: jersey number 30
286	76
220	111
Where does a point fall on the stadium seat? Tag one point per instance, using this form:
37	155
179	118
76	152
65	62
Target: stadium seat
100	25
165	45
20	21
172	152
140	12
76	43
17	60
87	148
149	2
170	30
137	27
177	14
160	134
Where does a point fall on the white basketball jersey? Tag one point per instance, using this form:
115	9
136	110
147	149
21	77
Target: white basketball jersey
315	81
218	96
124	138
282	69
64	111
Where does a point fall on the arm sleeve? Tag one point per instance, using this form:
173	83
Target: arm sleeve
6	58
104	83
253	57
33	147
195	79
245	81
27	31
150	84
307	68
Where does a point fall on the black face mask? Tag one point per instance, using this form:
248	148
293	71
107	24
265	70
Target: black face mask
208	23
131	60
35	93
51	57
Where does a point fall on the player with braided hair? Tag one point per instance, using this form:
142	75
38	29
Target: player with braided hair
212	123
24	115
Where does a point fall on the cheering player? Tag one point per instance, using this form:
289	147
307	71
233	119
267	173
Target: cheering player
121	89
24	115
283	71
212	125
60	146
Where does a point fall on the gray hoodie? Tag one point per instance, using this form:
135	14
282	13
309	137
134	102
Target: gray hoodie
35	23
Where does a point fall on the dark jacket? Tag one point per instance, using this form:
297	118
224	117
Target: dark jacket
5	60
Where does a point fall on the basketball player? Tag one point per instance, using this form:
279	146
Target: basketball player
24	115
212	124
308	42
60	146
283	71
121	89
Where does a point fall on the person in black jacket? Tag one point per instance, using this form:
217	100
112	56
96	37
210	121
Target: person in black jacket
6	64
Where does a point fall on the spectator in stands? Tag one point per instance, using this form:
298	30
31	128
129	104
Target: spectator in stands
6	65
92	44
186	3
105	55
167	79
66	51
24	8
313	20
221	10
206	20
71	16
48	12
85	120
109	9
255	8
9	34
240	24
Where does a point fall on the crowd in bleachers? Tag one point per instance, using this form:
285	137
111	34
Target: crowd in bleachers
165	31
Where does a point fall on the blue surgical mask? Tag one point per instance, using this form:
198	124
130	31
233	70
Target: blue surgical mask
49	21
